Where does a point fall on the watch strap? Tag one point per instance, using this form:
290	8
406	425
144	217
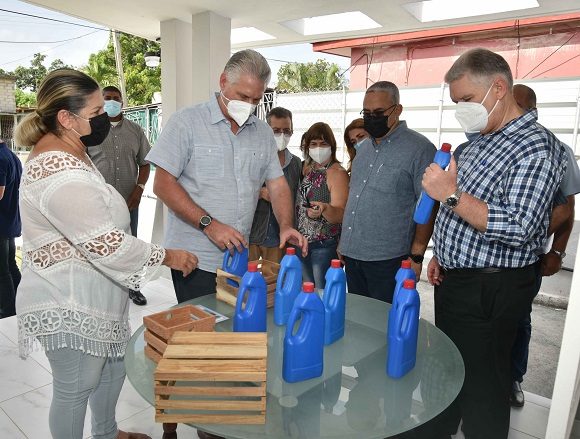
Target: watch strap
141	185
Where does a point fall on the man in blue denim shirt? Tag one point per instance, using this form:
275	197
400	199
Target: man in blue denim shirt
378	231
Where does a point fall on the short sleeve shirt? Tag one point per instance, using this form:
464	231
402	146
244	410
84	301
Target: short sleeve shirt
119	157
10	173
221	171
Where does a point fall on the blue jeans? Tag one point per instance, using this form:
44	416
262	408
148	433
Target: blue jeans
315	265
78	379
521	347
9	277
374	279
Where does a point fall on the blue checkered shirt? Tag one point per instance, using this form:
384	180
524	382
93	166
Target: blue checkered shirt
516	171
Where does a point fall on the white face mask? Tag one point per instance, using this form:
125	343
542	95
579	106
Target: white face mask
473	116
239	111
319	155
282	141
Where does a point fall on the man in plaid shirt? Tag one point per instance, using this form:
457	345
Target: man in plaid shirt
497	200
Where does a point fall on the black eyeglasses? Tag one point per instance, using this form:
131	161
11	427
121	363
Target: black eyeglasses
376	113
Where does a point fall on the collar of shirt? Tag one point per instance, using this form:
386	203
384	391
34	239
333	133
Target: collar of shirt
515	125
392	135
3	145
287	158
217	116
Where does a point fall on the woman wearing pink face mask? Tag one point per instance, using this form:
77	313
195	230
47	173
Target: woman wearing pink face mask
320	201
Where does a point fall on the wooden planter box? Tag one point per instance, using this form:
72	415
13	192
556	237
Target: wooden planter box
162	325
228	293
212	378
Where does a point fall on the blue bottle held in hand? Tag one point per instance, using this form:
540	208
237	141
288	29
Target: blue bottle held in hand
288	286
425	204
403	331
304	348
251	304
405	272
334	299
235	264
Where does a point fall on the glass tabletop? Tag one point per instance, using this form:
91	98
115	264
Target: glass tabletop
354	398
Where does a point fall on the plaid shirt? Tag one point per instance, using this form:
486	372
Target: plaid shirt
516	171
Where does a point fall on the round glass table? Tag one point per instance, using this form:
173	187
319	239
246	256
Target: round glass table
354	398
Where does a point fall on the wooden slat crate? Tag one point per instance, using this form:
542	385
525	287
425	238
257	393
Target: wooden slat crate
228	293
212	378
162	325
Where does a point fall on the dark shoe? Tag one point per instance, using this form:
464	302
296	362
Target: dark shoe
517	395
137	297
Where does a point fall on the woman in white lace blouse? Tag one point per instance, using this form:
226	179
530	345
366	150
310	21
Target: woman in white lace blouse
78	260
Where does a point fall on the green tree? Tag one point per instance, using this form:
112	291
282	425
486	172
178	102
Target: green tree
318	76
140	81
25	98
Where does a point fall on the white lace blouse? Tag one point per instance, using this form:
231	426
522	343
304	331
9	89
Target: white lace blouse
78	262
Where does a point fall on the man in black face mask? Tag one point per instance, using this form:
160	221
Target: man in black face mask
378	231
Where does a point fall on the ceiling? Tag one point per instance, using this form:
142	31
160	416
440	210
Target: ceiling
143	17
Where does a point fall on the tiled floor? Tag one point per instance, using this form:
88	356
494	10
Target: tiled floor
25	388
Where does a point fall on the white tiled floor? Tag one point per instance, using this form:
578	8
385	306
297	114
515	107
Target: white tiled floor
25	388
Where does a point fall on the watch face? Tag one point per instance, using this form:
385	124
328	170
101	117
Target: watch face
451	201
205	220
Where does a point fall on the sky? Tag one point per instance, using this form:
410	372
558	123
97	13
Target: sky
45	35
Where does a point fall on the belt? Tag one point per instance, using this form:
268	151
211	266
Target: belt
484	270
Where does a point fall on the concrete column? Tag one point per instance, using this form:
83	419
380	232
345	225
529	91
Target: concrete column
176	66
211	50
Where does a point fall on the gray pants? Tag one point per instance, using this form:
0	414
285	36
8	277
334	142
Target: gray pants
79	378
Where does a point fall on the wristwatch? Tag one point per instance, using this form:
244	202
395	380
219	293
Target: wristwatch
204	221
562	254
453	200
417	259
141	185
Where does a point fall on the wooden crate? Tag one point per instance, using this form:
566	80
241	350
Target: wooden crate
162	325
228	293
212	378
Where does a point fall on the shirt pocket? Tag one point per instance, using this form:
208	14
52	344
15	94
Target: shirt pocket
254	162
386	179
209	161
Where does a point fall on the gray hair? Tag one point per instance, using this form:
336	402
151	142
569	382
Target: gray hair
387	87
249	62
482	65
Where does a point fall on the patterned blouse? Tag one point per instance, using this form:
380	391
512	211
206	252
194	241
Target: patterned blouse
78	260
314	188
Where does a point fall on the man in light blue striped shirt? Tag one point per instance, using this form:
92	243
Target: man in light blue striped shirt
212	160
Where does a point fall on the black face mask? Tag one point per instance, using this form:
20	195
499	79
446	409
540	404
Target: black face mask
377	126
100	126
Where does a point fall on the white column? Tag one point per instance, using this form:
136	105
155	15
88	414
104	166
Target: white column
176	66
211	50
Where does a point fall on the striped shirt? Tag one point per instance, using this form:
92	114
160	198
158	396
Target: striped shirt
221	171
516	171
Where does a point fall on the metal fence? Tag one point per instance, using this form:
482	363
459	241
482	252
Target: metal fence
147	117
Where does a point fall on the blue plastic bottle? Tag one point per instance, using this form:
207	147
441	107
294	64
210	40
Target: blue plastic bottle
334	300
405	272
235	264
403	332
251	316
288	286
304	350
425	204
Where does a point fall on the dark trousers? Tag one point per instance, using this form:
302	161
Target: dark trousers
374	279
196	284
317	262
9	277
480	312
521	348
134	215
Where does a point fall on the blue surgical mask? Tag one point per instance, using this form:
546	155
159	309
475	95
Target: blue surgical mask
472	136
358	144
112	108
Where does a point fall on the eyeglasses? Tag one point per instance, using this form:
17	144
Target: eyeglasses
286	132
376	113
